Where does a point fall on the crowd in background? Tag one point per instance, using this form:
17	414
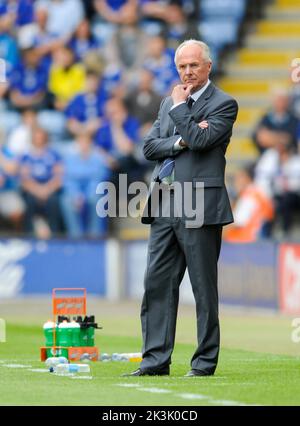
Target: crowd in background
268	192
82	84
83	81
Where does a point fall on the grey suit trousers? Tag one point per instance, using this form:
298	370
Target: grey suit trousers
173	248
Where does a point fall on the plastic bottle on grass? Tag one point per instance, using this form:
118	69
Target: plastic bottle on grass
104	357
129	356
71	368
51	362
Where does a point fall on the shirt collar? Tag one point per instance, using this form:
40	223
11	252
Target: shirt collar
199	92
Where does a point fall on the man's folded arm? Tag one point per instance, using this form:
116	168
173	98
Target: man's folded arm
220	123
157	148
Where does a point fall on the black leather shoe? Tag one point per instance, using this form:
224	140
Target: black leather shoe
196	373
139	372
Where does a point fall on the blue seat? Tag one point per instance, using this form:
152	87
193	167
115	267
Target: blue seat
219	32
225	9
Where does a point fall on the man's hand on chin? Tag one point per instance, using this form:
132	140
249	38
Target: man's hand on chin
181	92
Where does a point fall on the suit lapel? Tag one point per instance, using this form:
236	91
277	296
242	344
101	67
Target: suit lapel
201	102
171	123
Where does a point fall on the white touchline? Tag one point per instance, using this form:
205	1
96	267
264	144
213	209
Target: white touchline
16	366
128	385
39	370
154	390
191	396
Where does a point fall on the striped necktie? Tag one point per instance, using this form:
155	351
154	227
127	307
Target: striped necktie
167	166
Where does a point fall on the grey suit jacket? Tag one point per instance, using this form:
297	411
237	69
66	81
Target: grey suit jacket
204	158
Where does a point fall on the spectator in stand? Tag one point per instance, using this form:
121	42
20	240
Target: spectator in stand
160	61
253	211
89	9
278	123
64	16
11	203
117	140
66	78
10	54
84	170
278	172
16	13
84	112
166	15
8	50
44	42
83	41
19	140
28	82
120	12
116	26
143	102
41	181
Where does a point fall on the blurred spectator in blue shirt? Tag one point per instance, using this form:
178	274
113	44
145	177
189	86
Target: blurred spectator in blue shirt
278	125
17	13
122	12
160	61
84	112
9	55
41	181
117	139
11	204
8	50
83	41
28	82
84	170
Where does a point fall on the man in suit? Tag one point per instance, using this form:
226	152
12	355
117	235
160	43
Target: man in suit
188	141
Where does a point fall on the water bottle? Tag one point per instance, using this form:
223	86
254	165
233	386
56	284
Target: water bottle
132	356
104	357
64	369
91	336
53	361
64	334
75	333
84	336
49	327
115	357
85	357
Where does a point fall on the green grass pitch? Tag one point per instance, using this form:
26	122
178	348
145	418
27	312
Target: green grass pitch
243	377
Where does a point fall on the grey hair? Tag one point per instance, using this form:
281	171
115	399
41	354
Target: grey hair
201	44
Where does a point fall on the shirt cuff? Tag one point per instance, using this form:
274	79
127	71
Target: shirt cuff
176	145
176	105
